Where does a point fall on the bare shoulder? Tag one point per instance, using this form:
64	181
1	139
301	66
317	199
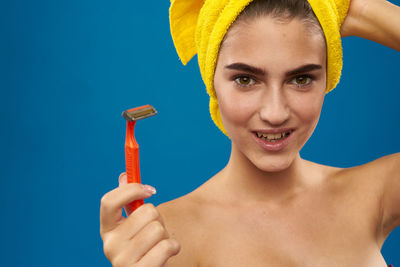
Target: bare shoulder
370	192
376	172
180	219
180	212
382	163
379	181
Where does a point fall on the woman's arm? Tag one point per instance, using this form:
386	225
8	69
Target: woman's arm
379	21
375	20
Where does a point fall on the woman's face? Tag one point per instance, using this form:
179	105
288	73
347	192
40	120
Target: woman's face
270	79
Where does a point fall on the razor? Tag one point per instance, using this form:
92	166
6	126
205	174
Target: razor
132	147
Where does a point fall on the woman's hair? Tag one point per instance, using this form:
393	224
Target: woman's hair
282	10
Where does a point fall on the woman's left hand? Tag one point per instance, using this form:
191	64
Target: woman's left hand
375	20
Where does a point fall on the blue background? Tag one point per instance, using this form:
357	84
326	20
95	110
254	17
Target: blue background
68	70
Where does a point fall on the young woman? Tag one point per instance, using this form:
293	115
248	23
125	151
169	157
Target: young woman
268	206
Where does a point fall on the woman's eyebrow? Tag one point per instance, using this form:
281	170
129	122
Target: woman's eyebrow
246	68
304	68
261	72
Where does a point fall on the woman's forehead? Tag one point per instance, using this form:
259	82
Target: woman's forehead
271	41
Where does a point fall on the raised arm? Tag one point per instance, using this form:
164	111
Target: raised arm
375	20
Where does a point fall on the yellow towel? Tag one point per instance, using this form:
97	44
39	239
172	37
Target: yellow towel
198	26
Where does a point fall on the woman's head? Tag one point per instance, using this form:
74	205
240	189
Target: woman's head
271	76
201	26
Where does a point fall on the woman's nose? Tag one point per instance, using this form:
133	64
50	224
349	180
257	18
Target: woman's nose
274	108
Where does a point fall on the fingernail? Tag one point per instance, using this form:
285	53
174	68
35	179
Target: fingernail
149	189
120	177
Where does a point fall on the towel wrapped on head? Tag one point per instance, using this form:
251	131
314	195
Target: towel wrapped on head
199	26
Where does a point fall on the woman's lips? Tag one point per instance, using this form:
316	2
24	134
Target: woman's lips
275	145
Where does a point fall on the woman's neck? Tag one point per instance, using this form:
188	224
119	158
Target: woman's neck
242	181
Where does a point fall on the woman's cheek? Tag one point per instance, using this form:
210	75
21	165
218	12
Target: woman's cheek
235	108
308	106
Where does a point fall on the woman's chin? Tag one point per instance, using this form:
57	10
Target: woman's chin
273	165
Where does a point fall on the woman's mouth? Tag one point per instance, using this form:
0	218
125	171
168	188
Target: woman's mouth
273	141
274	137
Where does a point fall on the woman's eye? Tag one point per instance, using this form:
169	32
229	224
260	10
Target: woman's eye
302	80
244	81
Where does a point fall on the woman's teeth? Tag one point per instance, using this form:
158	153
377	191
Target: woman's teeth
273	137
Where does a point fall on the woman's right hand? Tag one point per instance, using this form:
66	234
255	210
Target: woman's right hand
140	240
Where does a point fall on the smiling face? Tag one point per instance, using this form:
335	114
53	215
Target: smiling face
270	78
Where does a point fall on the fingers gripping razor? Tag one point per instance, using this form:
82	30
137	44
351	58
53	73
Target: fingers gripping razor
132	147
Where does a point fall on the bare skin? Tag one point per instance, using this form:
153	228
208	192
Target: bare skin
269	208
335	221
302	214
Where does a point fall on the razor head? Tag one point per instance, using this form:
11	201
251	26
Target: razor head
139	113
